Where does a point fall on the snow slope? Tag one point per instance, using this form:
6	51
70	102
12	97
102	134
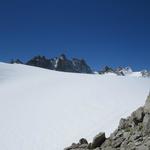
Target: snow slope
48	110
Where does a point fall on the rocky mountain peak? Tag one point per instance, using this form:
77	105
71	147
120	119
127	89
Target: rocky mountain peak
118	71
40	61
61	63
63	57
123	71
106	69
81	65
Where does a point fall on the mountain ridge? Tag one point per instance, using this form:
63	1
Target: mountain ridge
62	63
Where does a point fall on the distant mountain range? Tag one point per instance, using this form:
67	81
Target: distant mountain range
62	63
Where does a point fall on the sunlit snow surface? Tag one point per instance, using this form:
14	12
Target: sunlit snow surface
48	110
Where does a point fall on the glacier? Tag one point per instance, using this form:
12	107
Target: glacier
42	109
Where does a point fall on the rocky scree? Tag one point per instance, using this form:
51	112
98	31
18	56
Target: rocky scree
133	133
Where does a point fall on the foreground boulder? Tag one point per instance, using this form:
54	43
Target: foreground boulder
83	141
82	145
98	140
133	133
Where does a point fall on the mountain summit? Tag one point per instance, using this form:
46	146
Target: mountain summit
61	63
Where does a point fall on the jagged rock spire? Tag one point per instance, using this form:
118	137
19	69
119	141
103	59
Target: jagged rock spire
61	63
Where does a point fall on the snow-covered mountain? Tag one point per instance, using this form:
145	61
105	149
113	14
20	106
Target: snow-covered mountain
43	109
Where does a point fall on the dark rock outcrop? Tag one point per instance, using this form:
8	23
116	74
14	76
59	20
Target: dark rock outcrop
145	73
79	65
118	71
133	133
82	145
40	61
61	63
106	69
83	141
98	140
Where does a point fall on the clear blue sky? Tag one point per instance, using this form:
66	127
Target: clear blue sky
104	32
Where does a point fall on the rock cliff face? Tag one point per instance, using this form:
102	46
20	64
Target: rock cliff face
40	61
61	63
133	133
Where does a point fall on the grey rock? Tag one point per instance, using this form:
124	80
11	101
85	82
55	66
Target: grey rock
73	146
89	146
113	135
60	63
117	143
98	140
107	143
108	148
136	136
137	143
146	123
143	147
147	105
83	146
122	123
97	148
126	135
120	133
83	141
137	116
132	133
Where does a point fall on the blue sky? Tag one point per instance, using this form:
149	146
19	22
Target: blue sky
103	32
